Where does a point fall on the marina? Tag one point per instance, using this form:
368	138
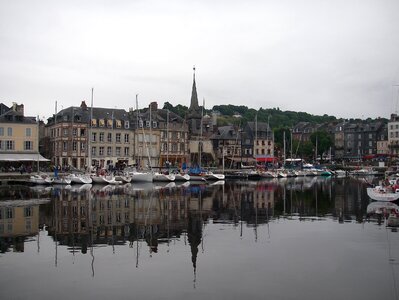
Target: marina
292	238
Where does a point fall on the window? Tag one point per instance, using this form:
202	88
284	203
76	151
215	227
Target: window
174	147
93	151
118	151
82	146
109	137
9	131
110	123
147	124
82	132
101	122
28	211
93	136
1	131
141	123
118	137
28	131
28	145
109	151
126	151
74	131
9	213
127	125
101	137
93	122
66	131
126	138
154	124
118	123
101	151
9	145
64	146
182	148
74	145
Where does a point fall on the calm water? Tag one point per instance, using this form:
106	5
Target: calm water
305	238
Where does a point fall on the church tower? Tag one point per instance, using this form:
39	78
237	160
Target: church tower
194	112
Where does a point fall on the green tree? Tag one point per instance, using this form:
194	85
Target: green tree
324	141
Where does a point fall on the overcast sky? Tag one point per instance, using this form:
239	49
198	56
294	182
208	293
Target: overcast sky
322	57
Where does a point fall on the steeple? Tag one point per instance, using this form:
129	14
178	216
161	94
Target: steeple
194	98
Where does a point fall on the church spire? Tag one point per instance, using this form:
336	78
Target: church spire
194	98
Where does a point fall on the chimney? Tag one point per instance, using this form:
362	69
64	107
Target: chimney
18	108
83	105
154	106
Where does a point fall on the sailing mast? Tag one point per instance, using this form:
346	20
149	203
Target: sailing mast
89	157
167	138
200	141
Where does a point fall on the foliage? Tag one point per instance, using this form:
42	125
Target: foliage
324	141
178	109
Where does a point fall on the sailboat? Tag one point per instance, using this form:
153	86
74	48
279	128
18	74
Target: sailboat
136	175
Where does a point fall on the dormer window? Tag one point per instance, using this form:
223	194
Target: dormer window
147	124
109	123
154	124
127	125
141	123
118	124
93	122
101	122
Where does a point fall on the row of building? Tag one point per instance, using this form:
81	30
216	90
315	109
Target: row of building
79	136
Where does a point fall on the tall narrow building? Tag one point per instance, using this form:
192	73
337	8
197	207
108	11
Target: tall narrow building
194	112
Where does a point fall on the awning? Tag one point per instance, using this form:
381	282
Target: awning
265	159
22	157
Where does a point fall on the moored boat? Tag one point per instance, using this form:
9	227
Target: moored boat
381	193
141	176
182	177
41	179
160	177
80	178
212	176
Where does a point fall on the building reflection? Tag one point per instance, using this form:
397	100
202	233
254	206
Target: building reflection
83	217
19	217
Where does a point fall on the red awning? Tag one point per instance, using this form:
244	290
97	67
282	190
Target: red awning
265	159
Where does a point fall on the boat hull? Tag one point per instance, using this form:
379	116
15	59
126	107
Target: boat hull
381	195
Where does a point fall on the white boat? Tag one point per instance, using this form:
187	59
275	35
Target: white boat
80	178
40	179
62	180
125	178
212	176
163	177
268	174
105	179
182	177
141	176
340	173
380	193
197	178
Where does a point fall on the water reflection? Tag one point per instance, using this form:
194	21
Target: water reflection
86	216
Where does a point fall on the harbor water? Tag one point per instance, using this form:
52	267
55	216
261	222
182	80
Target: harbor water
295	238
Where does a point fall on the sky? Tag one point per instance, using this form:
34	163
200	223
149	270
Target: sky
335	57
